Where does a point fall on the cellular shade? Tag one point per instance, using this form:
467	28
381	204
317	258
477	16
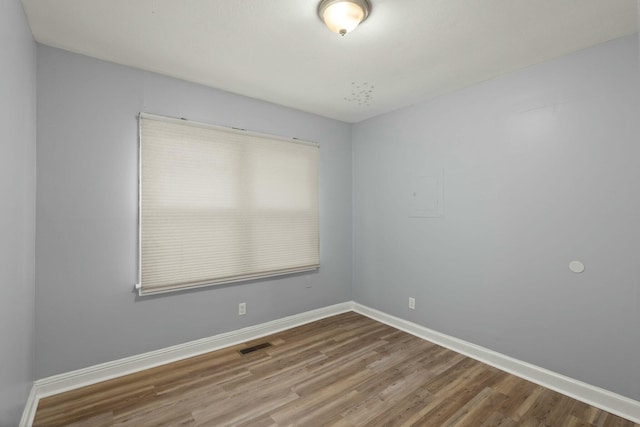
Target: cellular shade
221	205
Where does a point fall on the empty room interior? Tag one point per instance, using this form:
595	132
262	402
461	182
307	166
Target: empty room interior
336	212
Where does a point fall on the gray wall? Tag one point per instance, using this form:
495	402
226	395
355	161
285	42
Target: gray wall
17	215
540	167
86	312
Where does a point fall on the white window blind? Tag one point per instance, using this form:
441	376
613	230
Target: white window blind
220	205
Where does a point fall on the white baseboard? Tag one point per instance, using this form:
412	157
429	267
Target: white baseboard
106	371
29	409
595	396
592	395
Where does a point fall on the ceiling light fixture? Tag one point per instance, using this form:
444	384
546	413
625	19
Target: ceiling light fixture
343	16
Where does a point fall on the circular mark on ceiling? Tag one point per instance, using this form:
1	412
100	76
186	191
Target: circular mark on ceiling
361	94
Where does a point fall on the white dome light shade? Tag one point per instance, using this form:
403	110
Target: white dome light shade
343	16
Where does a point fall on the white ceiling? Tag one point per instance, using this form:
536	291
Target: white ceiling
279	50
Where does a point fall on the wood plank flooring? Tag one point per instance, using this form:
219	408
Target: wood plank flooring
346	370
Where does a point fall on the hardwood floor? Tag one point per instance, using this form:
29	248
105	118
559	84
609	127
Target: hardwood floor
346	370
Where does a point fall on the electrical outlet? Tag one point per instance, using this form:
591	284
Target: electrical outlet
242	308
412	303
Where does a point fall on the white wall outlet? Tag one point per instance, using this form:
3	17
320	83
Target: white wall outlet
242	308
412	303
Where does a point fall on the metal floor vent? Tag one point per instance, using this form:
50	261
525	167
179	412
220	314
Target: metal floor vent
254	348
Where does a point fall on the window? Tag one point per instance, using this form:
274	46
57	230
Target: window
221	205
